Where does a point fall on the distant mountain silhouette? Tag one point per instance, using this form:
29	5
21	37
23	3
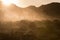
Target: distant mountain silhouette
51	10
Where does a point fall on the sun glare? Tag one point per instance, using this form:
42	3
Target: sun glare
18	3
6	2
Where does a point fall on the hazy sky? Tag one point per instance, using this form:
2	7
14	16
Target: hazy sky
25	3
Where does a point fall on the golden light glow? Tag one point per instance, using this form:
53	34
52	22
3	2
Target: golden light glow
13	13
18	3
6	2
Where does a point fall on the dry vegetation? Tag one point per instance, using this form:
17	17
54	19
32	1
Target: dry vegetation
37	30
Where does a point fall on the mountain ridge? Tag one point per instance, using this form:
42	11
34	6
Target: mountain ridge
44	12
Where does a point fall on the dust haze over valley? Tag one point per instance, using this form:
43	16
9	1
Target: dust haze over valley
14	13
30	23
31	13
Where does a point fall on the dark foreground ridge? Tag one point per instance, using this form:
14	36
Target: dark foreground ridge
37	30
